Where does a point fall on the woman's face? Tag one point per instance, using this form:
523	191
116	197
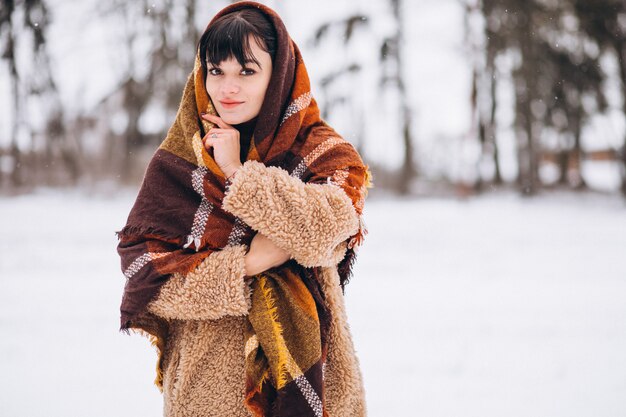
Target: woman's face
237	92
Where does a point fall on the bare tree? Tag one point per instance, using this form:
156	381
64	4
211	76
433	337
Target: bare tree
483	99
170	53
604	21
348	70
8	32
32	83
392	57
551	80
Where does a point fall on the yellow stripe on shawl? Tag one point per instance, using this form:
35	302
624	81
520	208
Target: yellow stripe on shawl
301	294
286	364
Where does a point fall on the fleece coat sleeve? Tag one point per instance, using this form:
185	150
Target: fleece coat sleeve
215	289
310	221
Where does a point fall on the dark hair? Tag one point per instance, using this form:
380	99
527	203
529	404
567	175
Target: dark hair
228	37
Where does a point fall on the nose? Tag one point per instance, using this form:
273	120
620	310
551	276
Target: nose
229	86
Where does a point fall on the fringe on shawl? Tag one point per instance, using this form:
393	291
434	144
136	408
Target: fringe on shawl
344	268
130	232
156	331
133	230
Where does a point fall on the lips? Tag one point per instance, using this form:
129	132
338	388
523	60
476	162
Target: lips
228	104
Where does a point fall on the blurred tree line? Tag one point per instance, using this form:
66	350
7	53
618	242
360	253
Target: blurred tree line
553	49
559	82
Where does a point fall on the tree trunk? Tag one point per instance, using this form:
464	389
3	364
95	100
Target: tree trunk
497	178
575	159
528	172
409	169
16	177
620	48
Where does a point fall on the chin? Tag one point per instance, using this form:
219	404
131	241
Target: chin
229	119
232	119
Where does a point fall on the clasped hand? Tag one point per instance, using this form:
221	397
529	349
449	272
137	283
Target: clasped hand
263	253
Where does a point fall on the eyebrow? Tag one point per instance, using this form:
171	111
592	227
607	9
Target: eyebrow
252	62
247	62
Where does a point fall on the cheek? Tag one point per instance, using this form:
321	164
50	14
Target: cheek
262	88
211	87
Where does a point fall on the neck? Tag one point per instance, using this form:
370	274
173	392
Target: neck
246	127
246	130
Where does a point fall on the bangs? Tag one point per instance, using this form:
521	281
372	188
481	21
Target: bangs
232	43
230	37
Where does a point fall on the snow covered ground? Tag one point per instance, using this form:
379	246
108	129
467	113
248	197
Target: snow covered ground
495	306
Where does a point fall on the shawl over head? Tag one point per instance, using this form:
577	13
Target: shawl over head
177	221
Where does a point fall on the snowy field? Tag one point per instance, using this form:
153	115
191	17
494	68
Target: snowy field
496	306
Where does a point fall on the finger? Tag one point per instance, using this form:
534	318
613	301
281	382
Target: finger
217	120
219	131
223	134
214	133
208	142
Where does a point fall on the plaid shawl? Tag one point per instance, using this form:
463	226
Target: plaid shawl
285	346
177	221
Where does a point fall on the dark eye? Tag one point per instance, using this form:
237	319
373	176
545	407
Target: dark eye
214	71
248	71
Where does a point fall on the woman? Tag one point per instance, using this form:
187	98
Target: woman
243	234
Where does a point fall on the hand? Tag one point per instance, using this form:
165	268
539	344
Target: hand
226	146
263	255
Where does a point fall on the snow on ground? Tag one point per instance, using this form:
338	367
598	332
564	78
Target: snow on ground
486	307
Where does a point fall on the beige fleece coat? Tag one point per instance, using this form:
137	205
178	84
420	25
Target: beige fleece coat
203	359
